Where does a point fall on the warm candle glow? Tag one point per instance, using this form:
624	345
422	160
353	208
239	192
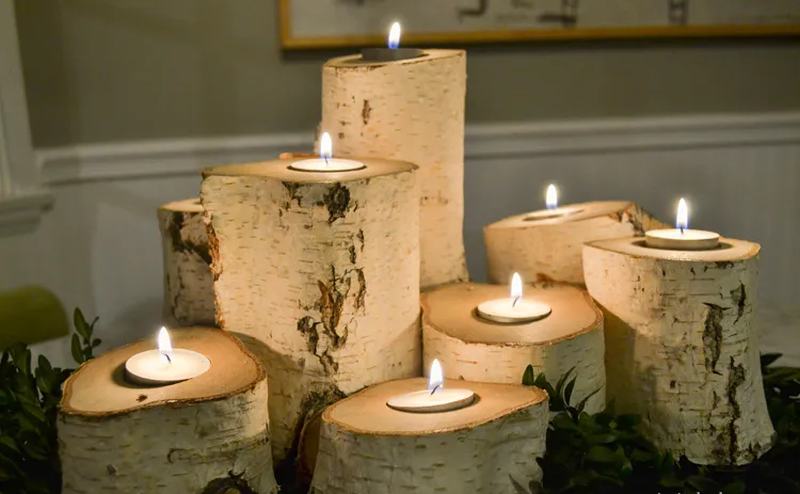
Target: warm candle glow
164	343
682	221
551	199
436	381
325	146
516	287
394	36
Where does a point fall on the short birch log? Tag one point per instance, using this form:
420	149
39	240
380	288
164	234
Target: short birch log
681	349
188	285
545	246
411	110
320	272
207	434
475	349
368	448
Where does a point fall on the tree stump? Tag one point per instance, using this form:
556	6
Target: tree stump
411	110
368	448
188	285
320	271
472	348
680	345
207	433
542	247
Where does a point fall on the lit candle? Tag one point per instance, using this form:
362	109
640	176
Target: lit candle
165	365
326	162
552	210
681	238
436	398
393	52
514	309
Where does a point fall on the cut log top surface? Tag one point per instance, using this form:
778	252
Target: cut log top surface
98	387
279	170
729	250
577	212
355	61
186	206
451	309
367	412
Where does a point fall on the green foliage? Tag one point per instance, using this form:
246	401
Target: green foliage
606	452
28	410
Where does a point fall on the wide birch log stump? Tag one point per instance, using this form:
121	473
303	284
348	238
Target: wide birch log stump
411	110
546	245
368	448
207	434
681	349
321	272
188	285
472	348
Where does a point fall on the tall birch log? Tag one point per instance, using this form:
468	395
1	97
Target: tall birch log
368	448
207	434
321	272
546	246
472	348
188	285
681	349
411	110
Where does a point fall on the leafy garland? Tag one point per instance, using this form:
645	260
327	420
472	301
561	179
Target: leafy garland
586	454
606	453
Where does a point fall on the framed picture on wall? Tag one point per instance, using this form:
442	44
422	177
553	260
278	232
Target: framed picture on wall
338	23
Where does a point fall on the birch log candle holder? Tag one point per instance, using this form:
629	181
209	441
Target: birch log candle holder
188	285
546	245
320	272
206	434
680	345
473	348
367	447
410	110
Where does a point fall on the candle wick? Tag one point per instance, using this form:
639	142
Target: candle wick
514	303
168	358
681	230
435	388
326	161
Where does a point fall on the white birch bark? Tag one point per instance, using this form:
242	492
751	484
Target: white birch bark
368	448
544	248
681	349
321	272
211	432
471	348
188	285
411	110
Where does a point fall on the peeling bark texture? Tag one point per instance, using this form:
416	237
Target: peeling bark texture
320	271
206	435
188	285
471	348
681	349
542	248
368	448
411	110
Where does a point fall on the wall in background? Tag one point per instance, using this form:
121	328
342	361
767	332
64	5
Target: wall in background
120	70
100	249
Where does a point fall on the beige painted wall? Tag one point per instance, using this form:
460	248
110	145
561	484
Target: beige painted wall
111	70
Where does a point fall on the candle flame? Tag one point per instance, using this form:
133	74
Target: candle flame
325	146
551	198
164	344
394	36
436	380
683	215
516	288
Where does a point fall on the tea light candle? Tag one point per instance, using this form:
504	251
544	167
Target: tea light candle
514	309
436	398
393	53
326	162
552	211
681	238
165	365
